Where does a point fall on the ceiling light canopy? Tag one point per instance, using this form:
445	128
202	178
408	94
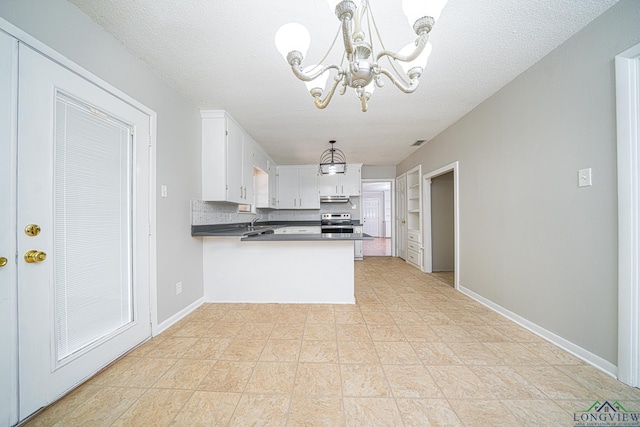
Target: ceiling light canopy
332	161
360	68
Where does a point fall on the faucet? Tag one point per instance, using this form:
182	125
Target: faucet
253	221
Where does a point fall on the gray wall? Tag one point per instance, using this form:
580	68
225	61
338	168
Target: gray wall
442	231
378	172
530	239
64	28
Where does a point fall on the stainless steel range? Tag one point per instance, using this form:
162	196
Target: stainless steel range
336	223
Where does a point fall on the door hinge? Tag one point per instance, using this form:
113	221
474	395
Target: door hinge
150	140
149	229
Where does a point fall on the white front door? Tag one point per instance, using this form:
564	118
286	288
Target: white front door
82	229
8	312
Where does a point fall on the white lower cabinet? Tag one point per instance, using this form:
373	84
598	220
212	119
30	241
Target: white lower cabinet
358	253
414	249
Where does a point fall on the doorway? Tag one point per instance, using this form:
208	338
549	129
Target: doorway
377	210
441	224
442	230
627	67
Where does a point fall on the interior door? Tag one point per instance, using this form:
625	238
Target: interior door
8	313
82	229
401	218
372	217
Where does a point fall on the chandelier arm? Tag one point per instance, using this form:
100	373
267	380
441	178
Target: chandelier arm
363	100
421	43
346	35
410	88
322	103
297	70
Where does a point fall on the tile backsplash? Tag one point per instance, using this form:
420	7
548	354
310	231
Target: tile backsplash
203	213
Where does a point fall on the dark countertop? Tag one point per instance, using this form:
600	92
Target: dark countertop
243	229
319	237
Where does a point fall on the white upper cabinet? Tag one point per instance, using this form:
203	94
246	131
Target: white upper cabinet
227	159
298	187
347	184
264	179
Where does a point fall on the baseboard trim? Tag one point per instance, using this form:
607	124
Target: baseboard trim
178	316
592	359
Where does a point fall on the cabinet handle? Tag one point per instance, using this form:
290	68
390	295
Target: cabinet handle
300	202
336	189
294	202
245	193
342	189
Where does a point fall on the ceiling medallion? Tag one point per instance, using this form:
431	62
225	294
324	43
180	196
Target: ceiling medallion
362	70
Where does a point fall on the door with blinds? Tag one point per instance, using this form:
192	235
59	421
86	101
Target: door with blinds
82	229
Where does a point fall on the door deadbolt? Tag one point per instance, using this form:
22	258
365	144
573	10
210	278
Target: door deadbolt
34	256
32	230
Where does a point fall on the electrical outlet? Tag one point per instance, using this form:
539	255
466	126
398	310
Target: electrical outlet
178	288
163	191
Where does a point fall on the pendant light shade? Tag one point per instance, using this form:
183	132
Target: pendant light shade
332	161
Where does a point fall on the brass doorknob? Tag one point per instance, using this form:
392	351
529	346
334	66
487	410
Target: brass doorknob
3	261
35	256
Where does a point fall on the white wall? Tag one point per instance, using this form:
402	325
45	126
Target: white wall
63	27
531	241
442	219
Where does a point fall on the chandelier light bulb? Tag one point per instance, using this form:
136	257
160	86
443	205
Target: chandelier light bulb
370	87
420	61
292	37
416	9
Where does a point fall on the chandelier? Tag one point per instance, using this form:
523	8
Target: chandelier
360	68
332	161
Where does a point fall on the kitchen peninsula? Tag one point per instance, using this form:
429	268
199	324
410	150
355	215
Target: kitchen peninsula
261	264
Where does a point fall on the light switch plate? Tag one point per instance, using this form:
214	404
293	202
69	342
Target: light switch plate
584	177
163	191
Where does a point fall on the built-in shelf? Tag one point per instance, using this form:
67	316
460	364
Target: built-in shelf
414	216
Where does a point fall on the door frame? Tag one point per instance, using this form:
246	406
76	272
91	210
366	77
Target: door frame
392	197
427	262
627	67
53	55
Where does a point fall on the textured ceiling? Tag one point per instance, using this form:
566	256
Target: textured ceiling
221	55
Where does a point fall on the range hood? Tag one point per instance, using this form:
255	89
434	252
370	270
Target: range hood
334	199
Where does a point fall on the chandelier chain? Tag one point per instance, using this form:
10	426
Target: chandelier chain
391	62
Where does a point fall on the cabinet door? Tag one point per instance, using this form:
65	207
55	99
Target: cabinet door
308	188
288	188
273	187
350	183
234	162
329	185
248	154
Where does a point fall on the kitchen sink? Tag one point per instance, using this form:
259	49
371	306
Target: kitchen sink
259	230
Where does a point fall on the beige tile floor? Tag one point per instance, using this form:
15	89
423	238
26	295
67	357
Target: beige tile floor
412	352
